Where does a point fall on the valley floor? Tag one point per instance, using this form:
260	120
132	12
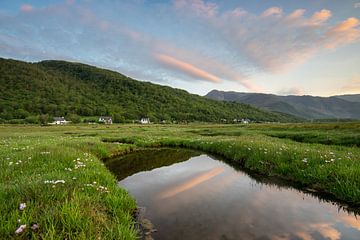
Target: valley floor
66	192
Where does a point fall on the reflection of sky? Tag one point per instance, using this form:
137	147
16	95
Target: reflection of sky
204	197
285	47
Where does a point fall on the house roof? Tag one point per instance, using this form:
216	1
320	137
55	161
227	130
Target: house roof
59	119
106	118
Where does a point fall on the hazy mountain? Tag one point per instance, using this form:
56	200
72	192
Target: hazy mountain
60	88
350	97
309	107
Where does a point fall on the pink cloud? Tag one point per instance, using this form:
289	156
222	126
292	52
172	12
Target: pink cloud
327	231
343	33
189	184
272	11
296	14
186	68
346	25
26	8
320	17
350	221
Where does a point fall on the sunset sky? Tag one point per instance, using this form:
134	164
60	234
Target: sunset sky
282	47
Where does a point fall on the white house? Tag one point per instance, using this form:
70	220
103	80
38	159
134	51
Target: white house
106	120
144	120
59	121
245	120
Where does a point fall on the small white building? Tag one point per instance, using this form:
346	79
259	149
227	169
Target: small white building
144	120
245	120
59	121
106	120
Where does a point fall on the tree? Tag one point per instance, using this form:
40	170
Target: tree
74	118
43	119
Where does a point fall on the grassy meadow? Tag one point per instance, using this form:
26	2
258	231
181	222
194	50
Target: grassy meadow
57	171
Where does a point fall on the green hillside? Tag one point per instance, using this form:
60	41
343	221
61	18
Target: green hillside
59	88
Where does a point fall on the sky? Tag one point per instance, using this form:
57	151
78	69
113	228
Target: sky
286	47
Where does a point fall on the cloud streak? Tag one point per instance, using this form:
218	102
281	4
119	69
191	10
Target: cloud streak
189	184
320	17
273	11
186	68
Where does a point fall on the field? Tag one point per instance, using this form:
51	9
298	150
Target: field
57	171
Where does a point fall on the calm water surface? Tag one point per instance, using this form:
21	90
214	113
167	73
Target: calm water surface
199	197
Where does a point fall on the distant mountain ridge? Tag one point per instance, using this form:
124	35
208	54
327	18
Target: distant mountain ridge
309	107
350	97
60	88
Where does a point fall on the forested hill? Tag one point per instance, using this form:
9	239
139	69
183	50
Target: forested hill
59	88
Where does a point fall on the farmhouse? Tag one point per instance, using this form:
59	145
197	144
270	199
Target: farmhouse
144	120
245	120
59	120
106	120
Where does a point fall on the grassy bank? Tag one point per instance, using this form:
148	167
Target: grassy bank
69	194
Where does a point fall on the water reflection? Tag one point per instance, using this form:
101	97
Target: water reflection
203	198
146	160
191	183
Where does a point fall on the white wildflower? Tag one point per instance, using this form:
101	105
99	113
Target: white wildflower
54	181
35	226
20	229
22	206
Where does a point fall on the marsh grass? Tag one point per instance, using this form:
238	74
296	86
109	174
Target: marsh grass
68	191
70	194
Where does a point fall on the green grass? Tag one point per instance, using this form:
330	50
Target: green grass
90	205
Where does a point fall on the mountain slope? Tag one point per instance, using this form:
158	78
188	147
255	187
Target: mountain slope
303	106
60	88
350	97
